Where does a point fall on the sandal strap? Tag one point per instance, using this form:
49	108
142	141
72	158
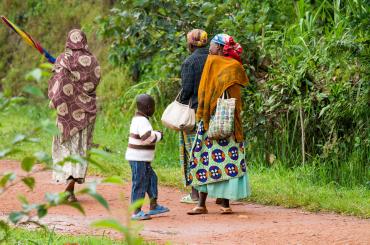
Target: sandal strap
226	210
199	209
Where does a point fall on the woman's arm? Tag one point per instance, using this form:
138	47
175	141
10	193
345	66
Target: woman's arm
146	132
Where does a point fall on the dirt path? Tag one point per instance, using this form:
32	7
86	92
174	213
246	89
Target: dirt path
251	223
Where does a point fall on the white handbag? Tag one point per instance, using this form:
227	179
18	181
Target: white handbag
178	116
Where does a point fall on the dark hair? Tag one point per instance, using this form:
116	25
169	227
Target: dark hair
145	104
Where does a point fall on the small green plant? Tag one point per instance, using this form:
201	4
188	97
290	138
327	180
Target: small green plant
32	213
130	232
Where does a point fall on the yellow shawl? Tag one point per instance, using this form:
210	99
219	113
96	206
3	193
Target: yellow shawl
221	74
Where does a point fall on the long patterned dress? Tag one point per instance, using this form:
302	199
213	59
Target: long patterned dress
218	167
186	140
78	144
72	93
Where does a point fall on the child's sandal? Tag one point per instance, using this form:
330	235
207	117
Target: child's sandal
140	216
158	210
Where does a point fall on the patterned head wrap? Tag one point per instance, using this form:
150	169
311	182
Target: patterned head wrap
76	39
72	88
231	49
197	37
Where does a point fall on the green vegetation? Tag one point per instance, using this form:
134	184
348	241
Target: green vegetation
20	236
308	64
270	185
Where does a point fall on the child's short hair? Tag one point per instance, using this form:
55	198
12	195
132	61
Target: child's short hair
145	102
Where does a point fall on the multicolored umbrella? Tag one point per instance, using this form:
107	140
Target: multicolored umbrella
27	37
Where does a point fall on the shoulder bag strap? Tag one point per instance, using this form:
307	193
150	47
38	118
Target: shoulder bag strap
178	95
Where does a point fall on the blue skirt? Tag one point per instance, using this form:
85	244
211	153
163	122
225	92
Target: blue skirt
232	189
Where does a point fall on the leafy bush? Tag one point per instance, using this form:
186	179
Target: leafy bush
309	94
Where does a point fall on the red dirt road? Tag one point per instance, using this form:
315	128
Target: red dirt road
250	224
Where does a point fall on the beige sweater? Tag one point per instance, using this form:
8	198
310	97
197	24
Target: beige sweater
141	143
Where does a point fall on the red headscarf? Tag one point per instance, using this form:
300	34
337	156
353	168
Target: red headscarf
231	49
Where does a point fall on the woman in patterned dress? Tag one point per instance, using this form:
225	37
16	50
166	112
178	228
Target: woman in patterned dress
72	93
191	72
217	167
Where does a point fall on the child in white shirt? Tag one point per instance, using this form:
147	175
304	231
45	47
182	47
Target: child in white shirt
140	154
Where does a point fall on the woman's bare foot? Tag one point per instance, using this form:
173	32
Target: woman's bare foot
72	198
219	201
70	190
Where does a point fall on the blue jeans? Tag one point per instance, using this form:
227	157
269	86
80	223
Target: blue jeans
144	180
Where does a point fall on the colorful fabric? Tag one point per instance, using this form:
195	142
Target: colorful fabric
231	48
221	125
232	189
220	39
197	37
221	74
215	160
186	140
29	40
72	88
78	144
144	180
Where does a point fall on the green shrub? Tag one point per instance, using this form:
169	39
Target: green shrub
307	61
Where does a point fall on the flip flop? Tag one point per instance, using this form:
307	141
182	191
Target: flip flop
188	199
226	211
158	210
198	210
140	216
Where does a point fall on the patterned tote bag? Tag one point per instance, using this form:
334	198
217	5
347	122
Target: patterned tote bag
221	125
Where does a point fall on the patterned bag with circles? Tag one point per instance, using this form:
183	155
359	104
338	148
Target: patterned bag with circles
215	160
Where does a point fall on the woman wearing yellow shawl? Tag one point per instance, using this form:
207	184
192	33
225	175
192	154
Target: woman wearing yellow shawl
218	167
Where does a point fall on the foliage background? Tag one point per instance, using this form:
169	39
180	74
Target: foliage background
308	62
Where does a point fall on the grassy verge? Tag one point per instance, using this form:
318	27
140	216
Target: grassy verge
288	188
273	186
22	236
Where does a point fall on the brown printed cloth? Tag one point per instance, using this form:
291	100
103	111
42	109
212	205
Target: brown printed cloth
72	88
